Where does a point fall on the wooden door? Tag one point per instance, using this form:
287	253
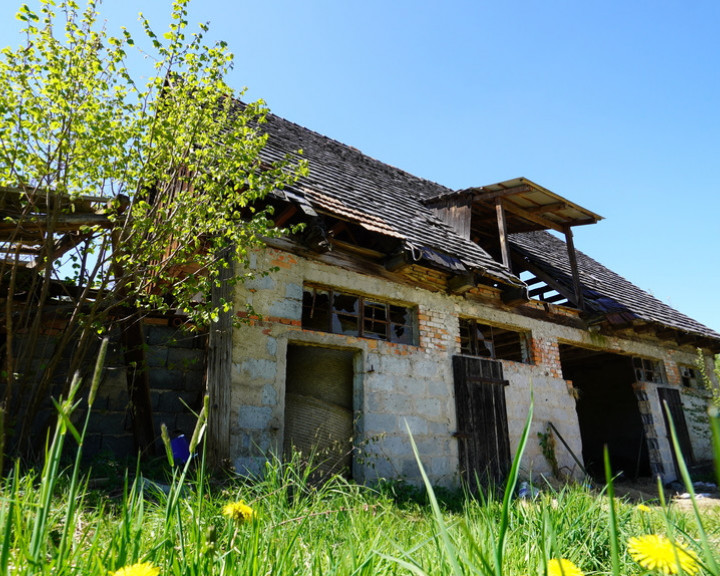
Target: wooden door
482	428
671	397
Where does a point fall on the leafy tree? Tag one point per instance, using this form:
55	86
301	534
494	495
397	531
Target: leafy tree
139	188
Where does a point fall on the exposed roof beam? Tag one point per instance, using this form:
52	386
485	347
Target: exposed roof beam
556	207
481	195
522	212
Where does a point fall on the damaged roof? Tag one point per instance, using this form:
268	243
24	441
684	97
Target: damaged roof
352	186
606	293
345	182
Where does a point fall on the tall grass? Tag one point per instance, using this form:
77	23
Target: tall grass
51	522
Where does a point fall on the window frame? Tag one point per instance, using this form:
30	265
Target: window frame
475	345
369	314
651	369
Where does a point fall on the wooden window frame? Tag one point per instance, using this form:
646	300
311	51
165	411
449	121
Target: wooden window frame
474	342
690	376
649	370
373	316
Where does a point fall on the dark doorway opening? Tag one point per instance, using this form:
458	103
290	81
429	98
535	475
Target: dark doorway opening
319	407
607	409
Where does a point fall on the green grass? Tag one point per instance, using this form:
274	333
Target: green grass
51	522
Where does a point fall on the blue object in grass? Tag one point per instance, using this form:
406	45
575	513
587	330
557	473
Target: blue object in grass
180	449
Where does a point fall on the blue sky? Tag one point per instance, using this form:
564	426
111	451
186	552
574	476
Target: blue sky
614	105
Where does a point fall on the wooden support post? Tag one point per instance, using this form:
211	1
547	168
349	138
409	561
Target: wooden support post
219	363
579	302
502	231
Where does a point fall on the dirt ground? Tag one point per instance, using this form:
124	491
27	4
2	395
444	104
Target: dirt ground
645	490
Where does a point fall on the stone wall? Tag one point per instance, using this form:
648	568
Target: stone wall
400	385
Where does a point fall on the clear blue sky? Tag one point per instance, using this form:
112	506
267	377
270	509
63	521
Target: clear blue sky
614	105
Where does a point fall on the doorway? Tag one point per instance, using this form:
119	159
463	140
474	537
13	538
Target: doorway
482	430
319	407
608	410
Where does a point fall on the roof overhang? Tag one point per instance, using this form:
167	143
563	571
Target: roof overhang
528	206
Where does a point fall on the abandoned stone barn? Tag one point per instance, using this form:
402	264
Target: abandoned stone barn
405	303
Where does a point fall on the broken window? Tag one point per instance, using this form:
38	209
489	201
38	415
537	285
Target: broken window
648	370
689	376
493	342
329	310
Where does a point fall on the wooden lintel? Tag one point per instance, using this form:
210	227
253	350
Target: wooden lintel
491	195
642	328
536	218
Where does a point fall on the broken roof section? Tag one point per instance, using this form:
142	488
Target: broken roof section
448	229
349	185
610	298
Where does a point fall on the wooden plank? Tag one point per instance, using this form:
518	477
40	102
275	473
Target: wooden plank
219	363
579	301
670	397
548	208
491	195
536	218
502	231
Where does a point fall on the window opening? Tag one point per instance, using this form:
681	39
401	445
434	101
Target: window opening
647	370
487	341
328	310
689	376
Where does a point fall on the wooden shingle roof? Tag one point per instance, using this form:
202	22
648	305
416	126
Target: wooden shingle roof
606	293
353	186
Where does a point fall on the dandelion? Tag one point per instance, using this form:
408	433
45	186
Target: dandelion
562	567
238	511
643	508
141	569
656	552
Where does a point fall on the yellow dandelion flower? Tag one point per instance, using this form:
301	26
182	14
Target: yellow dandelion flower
656	552
562	567
141	569
238	511
643	508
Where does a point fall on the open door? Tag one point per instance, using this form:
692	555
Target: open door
482	432
319	407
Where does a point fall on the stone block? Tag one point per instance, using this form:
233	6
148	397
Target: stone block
156	356
286	309
374	423
431	408
165	379
254	417
258	369
184	359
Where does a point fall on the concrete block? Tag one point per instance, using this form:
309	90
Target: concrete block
374	423
294	291
164	379
258	369
431	408
184	359
254	417
156	356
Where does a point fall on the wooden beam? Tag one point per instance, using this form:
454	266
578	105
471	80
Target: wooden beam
554	207
491	195
502	231
460	283
579	301
537	219
288	213
219	367
549	280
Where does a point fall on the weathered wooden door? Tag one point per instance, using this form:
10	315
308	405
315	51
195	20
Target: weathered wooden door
671	397
482	428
